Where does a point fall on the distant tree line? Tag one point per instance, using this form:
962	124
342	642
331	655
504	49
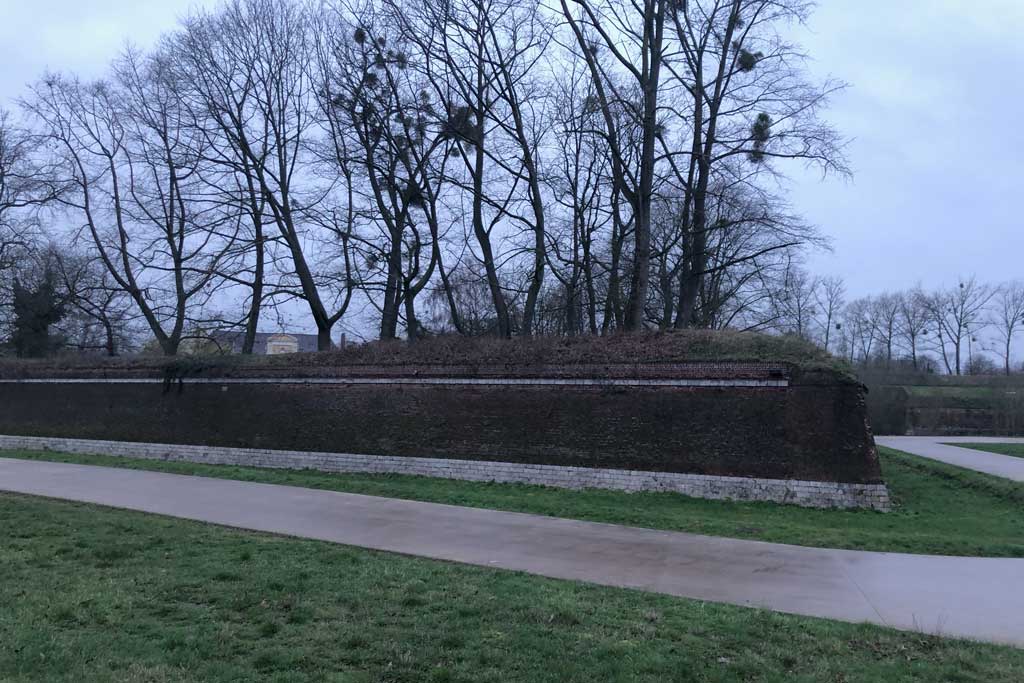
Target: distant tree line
416	167
968	328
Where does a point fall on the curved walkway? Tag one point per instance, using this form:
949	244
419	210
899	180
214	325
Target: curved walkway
937	448
972	597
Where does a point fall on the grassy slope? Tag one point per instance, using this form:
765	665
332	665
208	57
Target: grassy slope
1014	449
941	509
980	392
562	352
93	594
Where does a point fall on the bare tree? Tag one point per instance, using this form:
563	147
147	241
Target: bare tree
624	46
751	244
912	321
746	98
859	330
796	303
958	314
487	166
579	183
830	296
1008	316
380	120
24	186
481	60
101	312
248	65
129	168
885	313
710	86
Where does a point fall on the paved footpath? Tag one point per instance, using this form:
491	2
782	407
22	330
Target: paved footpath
979	598
936	448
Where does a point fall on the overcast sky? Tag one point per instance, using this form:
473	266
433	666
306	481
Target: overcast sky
934	112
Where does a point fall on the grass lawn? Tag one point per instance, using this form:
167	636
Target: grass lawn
95	594
956	392
1014	449
941	509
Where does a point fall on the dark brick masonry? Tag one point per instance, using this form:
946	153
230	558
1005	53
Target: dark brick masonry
815	429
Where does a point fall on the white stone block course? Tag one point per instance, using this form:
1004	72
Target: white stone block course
796	492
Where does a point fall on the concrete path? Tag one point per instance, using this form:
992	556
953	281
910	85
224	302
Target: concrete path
973	597
935	447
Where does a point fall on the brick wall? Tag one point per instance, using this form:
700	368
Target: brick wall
805	427
611	413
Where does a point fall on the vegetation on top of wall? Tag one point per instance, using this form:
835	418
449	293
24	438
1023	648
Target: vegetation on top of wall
678	347
901	402
899	376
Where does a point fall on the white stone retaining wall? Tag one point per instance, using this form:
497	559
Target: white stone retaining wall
796	492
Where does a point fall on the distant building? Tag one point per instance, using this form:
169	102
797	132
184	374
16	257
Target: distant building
266	343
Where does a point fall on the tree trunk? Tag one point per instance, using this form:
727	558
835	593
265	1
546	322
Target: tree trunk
252	321
111	345
392	295
323	337
412	325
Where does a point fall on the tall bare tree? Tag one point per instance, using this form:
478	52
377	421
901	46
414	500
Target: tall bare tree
796	302
1008	317
579	183
129	168
912	322
830	297
958	313
482	60
487	166
25	185
383	136
249	67
624	45
746	97
885	316
101	311
859	330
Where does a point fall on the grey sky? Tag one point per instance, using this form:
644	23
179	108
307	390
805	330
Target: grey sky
933	112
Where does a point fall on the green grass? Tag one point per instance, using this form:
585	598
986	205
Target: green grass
94	594
1014	449
941	509
955	392
979	397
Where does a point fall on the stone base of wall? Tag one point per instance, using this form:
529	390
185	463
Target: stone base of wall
794	492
